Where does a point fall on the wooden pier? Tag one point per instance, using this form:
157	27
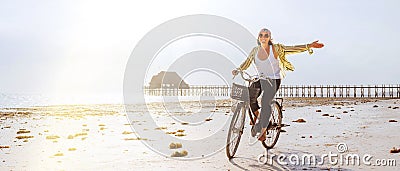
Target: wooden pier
208	90
333	91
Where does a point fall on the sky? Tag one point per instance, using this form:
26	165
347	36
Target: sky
83	46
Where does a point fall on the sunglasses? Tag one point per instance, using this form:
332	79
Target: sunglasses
263	35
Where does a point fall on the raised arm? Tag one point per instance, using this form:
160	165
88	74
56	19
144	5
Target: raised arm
301	48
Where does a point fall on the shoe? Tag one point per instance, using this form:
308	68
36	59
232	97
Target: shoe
257	128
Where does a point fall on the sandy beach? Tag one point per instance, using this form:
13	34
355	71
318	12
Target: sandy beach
102	137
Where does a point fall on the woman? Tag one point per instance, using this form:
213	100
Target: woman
271	64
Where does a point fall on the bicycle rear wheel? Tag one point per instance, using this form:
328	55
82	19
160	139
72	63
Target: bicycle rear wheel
275	130
235	130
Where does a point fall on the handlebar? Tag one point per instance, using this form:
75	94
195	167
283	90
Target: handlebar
250	78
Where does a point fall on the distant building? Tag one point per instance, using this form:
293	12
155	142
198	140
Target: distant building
167	80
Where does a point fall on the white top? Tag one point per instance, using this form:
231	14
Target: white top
268	68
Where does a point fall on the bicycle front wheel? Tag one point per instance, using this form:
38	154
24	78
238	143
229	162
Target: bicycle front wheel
275	128
235	130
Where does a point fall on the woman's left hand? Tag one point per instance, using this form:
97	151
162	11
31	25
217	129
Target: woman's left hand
315	44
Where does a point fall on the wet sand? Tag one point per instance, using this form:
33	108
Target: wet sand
100	137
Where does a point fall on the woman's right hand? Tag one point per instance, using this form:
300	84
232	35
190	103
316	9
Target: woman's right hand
316	44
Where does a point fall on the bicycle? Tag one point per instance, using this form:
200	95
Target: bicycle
242	94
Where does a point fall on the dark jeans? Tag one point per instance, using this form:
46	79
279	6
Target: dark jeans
269	87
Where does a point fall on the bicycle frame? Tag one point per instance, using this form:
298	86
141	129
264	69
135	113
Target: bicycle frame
242	94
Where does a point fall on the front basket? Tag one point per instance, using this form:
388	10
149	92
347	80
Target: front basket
242	93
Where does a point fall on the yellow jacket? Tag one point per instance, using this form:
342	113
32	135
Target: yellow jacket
281	51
